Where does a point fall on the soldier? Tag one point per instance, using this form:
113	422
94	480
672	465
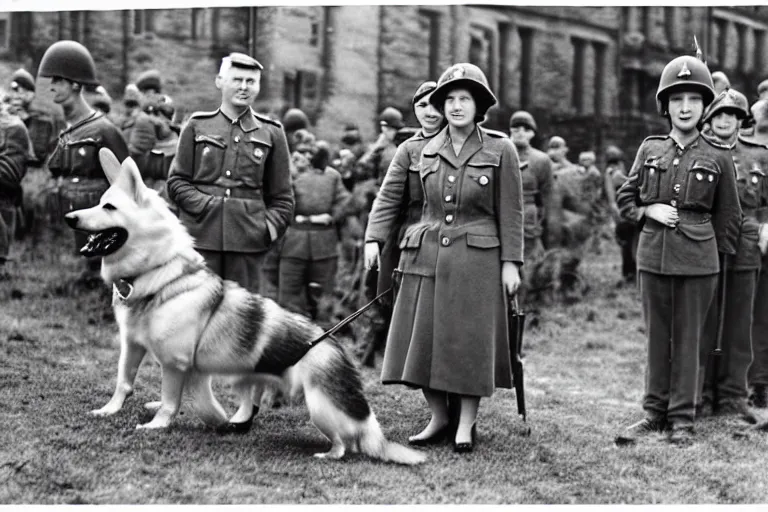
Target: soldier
721	127
76	158
683	191
150	85
557	149
758	371
231	177
294	119
627	231
376	160
309	251
15	150
138	128
538	183
100	100
720	81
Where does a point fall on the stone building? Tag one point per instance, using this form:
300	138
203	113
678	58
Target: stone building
588	74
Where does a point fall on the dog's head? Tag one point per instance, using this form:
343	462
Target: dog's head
131	226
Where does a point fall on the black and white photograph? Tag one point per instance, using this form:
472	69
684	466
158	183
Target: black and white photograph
368	254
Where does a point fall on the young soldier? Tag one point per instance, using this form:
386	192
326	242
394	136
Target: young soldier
231	177
683	191
538	182
76	158
728	394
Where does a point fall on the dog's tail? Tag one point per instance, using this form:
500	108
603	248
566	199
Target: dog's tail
374	444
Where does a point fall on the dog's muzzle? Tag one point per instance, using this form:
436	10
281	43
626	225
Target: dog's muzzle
104	242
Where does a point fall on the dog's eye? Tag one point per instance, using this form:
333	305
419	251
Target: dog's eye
109	206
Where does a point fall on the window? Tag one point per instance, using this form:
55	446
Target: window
4	33
742	33
577	78
526	65
290	96
600	51
138	22
481	52
430	24
757	56
647	23
300	89
722	42
314	32
626	18
670	26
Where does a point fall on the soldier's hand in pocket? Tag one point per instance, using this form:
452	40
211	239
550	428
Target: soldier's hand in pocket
663	214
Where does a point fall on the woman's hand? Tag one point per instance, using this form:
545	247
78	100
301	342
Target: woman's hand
663	214
371	255
510	277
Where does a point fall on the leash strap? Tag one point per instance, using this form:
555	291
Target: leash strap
333	330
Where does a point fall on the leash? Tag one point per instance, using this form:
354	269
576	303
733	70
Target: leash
336	328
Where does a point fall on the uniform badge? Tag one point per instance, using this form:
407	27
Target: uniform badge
684	72
710	178
206	149
754	180
699	176
258	154
458	73
651	170
483	180
81	151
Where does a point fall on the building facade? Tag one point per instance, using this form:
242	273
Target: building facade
588	74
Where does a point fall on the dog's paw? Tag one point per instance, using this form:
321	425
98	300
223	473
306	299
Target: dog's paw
153	406
332	455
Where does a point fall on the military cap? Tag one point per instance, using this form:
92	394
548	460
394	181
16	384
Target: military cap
687	73
390	116
424	89
523	118
101	99
69	60
241	60
131	96
556	142
295	119
149	79
763	87
22	78
613	154
729	99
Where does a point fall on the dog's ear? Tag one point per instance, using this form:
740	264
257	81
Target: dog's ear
110	164
134	181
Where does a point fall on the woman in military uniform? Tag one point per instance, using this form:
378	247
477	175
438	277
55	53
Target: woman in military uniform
400	199
721	128
459	262
75	161
682	189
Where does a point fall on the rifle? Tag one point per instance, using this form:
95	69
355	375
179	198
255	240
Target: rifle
516	326
717	352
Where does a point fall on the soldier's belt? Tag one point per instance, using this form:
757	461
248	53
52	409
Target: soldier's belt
312	226
234	192
693	217
83	183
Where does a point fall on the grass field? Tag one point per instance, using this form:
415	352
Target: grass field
584	365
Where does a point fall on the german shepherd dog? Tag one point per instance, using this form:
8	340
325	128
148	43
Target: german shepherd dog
198	326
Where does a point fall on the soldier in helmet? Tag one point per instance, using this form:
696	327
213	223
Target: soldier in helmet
682	190
294	119
721	128
758	371
76	158
139	129
720	81
458	263
100	100
376	160
538	184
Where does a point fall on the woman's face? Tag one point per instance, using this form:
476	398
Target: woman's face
685	110
302	156
460	108
428	116
724	124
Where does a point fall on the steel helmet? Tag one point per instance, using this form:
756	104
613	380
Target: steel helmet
392	117
730	99
295	119
613	154
464	75
763	87
523	118
149	79
685	72
70	60
22	78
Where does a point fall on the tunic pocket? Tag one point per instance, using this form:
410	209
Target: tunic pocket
483	241
651	179
701	184
209	150
81	156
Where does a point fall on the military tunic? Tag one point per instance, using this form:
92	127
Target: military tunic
15	150
678	266
75	160
540	216
449	325
309	251
229	178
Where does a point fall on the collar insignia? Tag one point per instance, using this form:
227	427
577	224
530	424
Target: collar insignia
684	72
258	153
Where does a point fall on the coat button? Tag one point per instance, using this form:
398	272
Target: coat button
449	218
451	179
445	241
675	161
673	202
227	192
676	187
448	198
483	180
237	138
228	173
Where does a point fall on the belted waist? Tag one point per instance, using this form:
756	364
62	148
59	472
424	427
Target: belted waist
485	226
312	226
236	192
693	217
83	182
760	214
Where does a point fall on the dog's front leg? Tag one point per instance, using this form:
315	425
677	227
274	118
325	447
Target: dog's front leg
131	355
173	386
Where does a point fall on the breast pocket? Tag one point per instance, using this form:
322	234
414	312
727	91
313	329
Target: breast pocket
81	157
209	153
650	179
480	183
753	188
701	184
251	168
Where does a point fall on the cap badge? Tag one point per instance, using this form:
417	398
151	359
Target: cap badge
458	73
684	72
